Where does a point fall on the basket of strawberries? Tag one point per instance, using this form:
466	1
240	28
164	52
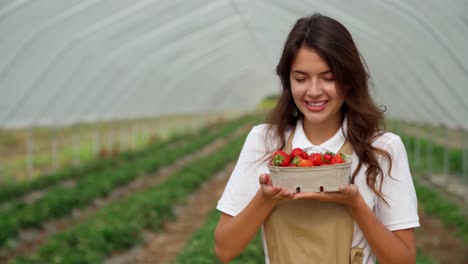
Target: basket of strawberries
299	171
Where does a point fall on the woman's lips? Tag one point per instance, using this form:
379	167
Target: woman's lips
316	106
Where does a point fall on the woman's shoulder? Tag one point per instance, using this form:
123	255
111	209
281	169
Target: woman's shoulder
388	140
264	136
262	132
260	128
258	133
266	131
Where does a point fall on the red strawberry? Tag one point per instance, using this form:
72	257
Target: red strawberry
296	160
327	157
316	159
299	152
338	158
280	158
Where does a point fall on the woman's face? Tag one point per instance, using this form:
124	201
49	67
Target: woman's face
314	90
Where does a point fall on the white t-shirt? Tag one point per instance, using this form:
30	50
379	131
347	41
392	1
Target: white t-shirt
399	192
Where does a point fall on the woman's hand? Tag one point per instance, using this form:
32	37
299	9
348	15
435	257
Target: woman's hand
271	192
347	195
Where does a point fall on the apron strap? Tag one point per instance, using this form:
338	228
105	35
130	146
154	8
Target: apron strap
288	146
347	148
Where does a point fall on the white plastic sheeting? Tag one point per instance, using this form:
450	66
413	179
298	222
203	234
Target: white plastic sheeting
66	61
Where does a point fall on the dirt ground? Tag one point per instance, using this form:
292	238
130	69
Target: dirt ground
440	243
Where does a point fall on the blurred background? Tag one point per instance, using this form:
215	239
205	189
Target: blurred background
108	104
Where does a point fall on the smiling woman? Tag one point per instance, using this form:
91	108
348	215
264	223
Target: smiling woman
324	106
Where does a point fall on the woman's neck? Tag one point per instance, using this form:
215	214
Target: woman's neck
318	133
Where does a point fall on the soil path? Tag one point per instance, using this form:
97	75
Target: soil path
439	242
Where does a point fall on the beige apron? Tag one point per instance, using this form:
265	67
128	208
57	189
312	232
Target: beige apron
310	231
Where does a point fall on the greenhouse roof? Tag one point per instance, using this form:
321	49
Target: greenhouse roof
64	62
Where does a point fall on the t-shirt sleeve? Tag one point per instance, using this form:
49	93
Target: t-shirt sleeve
243	183
398	190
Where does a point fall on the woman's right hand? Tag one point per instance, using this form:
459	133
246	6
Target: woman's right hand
234	233
271	192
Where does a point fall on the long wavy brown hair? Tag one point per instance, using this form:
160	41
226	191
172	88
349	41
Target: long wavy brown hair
365	120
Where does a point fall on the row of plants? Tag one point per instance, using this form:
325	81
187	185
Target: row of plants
432	156
120	225
200	247
434	203
12	190
60	201
42	160
430	200
57	147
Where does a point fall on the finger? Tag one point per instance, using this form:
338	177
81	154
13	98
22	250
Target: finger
306	195
264	178
286	193
282	193
348	189
343	188
274	191
320	196
290	196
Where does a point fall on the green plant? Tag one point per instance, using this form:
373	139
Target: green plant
432	203
200	247
115	229
60	201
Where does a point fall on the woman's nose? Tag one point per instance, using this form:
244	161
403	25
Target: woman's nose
314	89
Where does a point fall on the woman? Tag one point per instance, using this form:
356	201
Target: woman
325	105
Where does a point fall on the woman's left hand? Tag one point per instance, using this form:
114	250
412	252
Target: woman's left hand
347	195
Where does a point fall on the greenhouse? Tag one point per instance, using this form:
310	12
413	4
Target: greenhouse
122	121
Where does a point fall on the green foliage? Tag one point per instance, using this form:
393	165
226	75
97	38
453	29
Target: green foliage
433	203
200	248
60	201
114	229
423	259
268	102
436	161
11	190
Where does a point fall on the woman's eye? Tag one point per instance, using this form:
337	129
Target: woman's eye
329	79
300	80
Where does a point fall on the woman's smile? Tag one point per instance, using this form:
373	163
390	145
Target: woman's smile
316	106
